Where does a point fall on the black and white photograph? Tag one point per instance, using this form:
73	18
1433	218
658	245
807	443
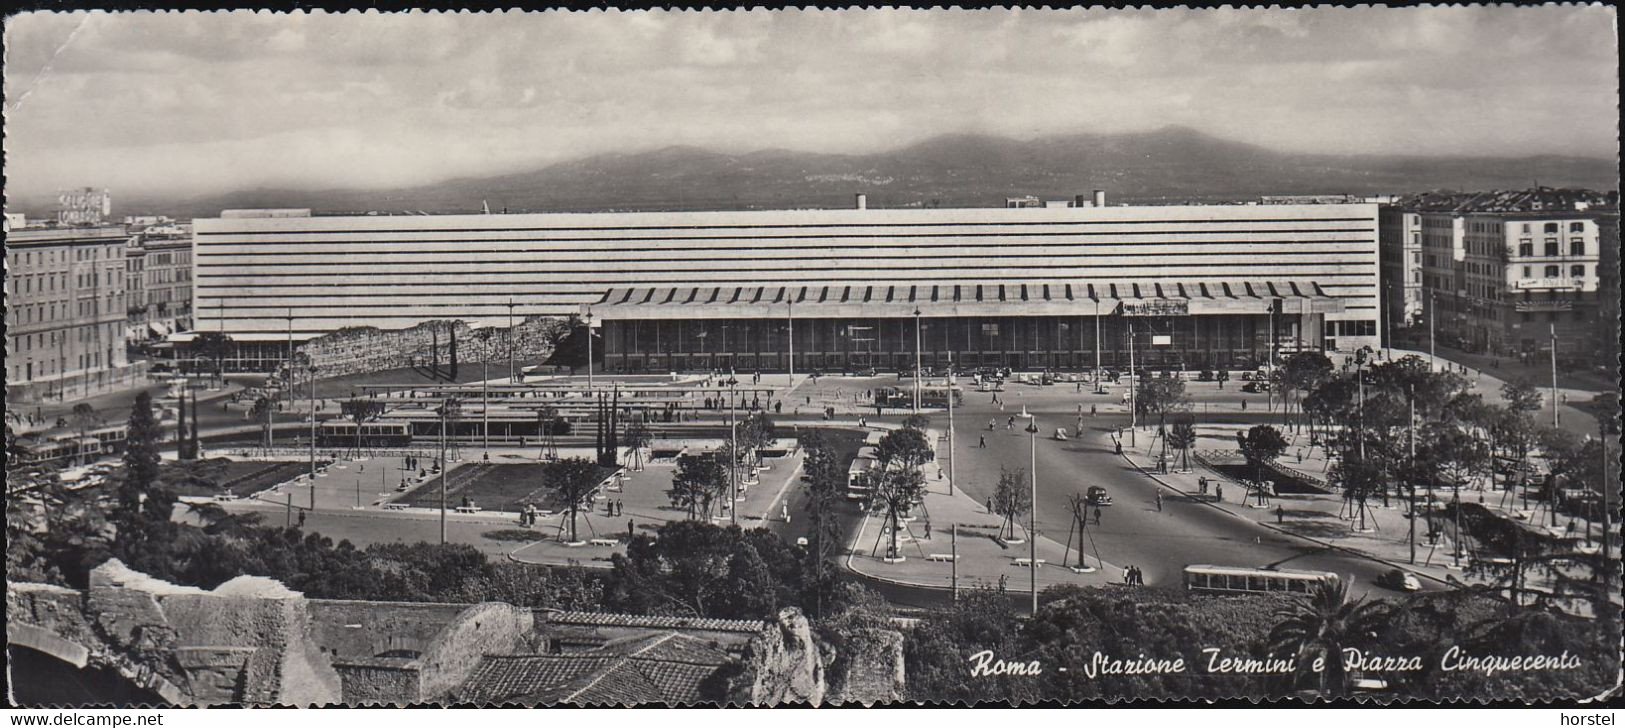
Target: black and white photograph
1155	357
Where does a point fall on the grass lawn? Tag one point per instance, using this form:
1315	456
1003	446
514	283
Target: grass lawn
216	476
493	487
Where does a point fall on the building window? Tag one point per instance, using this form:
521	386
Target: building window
1551	227
1577	227
1577	246
1577	271
1552	248
1526	249
1553	271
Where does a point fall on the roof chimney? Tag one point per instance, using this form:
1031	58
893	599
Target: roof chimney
863	201
1100	198
1080	201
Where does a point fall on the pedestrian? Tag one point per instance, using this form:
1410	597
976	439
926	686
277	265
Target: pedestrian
928	528
1244	405
1097	515
1159	501
629	529
1218	491
989	505
990	424
1128	574
620	507
784	510
981	441
302	518
1011	423
1280	514
1091	410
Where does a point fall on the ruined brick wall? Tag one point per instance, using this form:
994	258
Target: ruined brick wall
872	671
380	681
783	663
484	629
354	629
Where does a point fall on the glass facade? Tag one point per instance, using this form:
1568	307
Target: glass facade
1235	341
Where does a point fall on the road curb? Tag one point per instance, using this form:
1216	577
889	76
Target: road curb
1284	532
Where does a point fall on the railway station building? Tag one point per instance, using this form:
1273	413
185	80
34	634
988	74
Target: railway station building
1202	286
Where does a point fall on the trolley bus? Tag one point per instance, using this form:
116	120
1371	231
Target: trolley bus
1241	579
377	433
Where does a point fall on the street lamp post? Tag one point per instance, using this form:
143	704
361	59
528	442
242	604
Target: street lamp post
446	412
1133	401
790	340
312	437
1433	351
589	348
1098	387
733	454
510	341
952	458
918	370
1554	378
485	401
1032	511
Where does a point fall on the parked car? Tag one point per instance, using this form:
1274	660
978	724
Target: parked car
1399	580
1097	496
1255	386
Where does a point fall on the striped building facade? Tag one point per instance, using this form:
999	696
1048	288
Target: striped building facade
260	278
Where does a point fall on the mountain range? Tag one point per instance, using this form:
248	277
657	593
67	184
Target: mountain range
1166	165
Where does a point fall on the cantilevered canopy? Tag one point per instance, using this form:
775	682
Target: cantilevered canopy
994	299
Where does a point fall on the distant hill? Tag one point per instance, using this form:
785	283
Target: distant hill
1169	164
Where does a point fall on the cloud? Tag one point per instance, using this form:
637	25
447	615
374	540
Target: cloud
187	103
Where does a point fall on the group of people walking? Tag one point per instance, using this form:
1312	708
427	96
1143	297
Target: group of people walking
1132	576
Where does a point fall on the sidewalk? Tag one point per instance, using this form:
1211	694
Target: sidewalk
929	547
1323	519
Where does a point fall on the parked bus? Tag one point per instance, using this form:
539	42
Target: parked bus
1241	579
857	487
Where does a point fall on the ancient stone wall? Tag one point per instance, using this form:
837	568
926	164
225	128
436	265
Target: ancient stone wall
484	629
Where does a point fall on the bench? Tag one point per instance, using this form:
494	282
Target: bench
1024	561
941	557
605	542
468	509
395	506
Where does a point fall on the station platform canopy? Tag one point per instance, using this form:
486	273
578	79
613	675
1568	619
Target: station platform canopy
1126	298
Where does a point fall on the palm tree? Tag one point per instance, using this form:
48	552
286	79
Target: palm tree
1321	626
1183	437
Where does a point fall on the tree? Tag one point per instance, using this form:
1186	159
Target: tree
1302	372
142	499
1521	396
360	410
573	480
263	411
1159	397
826	487
906	449
180	427
638	436
84	420
698	481
216	346
757	431
697	569
1260	444
1321	626
894	491
916	422
1011	499
1183	437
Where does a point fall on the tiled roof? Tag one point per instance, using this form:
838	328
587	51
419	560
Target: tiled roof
601	619
586	679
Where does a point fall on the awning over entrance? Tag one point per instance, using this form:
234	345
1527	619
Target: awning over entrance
994	299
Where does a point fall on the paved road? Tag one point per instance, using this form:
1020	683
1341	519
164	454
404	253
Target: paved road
1133	531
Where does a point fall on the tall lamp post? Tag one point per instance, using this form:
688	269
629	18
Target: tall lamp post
918	370
510	341
951	457
790	339
312	437
1133	398
446	412
1433	351
733	454
1098	387
589	348
1032	511
1554	381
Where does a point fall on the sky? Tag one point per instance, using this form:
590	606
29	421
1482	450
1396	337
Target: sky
195	103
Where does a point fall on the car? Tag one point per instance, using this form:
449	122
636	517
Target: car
1255	387
1097	496
1399	580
